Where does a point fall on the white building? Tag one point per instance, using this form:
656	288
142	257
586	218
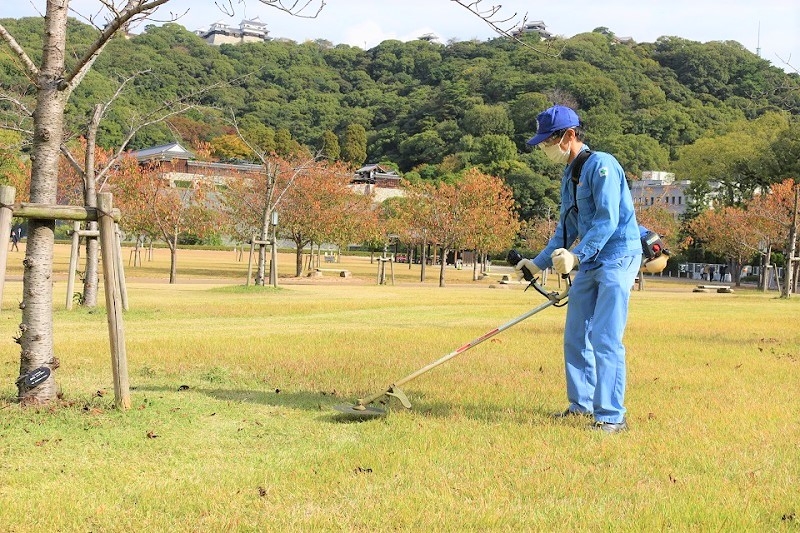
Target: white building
381	183
534	26
248	31
661	189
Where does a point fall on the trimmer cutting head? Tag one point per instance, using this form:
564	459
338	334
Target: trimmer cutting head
358	411
363	408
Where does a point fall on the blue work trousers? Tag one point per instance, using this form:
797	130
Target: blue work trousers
594	355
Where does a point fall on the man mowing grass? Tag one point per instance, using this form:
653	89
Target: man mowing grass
597	208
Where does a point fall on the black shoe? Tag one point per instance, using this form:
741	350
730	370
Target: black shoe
566	413
610	427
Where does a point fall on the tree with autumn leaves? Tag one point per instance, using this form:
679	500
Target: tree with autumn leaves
475	213
768	221
492	216
249	201
726	233
320	207
774	218
152	204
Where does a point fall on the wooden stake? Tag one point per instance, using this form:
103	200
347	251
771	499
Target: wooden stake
7	195
250	261
73	262
123	287
116	331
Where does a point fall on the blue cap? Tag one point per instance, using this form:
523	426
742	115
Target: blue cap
551	120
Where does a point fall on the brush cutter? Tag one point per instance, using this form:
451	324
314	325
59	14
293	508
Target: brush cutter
363	408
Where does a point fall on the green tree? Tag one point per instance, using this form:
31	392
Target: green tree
354	144
488	119
636	153
425	147
731	159
330	146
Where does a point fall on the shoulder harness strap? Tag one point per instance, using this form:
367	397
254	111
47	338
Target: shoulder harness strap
580	159
577	167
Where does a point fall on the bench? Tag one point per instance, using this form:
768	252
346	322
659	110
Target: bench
722	289
342	273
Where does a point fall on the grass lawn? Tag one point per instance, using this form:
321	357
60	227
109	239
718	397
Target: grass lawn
232	427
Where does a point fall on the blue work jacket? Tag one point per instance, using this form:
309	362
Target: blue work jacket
604	222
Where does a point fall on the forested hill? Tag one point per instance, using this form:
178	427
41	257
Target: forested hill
429	108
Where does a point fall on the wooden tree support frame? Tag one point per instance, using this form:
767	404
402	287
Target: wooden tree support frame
382	261
74	255
107	216
272	262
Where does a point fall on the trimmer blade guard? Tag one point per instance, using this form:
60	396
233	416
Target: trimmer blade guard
360	411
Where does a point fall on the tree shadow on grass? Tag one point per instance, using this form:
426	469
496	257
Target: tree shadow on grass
324	402
307	401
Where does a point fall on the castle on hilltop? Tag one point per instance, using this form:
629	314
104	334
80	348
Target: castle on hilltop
248	31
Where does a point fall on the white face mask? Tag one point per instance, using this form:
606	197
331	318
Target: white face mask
554	152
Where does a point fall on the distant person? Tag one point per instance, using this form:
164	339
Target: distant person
14	240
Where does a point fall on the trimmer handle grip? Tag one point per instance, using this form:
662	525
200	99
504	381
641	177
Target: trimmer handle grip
515	257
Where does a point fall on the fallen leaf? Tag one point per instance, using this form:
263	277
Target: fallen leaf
151	435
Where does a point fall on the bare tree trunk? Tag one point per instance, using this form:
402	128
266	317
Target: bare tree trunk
790	256
443	266
796	275
737	268
423	260
137	257
36	329
265	222
764	278
298	258
173	257
273	260
261	271
91	276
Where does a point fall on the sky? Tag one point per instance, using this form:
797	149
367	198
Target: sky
773	26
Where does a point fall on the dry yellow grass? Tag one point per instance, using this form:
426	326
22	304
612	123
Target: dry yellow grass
253	445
